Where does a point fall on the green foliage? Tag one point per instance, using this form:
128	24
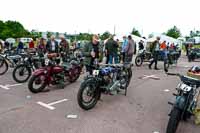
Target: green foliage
174	32
12	29
105	35
135	32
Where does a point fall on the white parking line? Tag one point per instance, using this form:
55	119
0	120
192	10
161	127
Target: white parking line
4	87
149	77
46	105
49	105
56	102
7	87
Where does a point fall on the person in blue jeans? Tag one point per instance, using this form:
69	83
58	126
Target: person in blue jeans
112	50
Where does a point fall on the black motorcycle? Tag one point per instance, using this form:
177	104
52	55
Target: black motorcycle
9	59
22	72
107	79
185	103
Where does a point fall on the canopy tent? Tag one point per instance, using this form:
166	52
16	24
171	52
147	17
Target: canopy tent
163	38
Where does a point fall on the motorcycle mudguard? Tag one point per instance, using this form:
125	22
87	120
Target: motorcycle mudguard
180	102
39	71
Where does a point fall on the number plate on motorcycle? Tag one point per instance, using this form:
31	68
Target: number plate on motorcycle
184	87
95	72
47	62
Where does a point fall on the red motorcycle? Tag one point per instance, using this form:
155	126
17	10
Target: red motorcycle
53	74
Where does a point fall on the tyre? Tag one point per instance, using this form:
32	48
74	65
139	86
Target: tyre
138	61
21	73
3	66
37	80
92	95
76	76
174	120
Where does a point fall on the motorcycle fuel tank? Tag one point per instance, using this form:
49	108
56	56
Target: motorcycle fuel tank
57	69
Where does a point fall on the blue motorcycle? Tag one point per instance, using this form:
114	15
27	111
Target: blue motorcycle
108	79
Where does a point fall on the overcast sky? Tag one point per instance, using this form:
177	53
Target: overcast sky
97	16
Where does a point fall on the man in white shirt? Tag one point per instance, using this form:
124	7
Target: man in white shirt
52	45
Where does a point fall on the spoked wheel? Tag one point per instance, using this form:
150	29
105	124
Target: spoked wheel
76	75
174	120
37	83
3	66
88	95
138	61
21	73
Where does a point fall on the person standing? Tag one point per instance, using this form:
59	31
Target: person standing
155	51
20	46
91	52
31	45
141	45
124	45
41	49
52	45
129	50
112	49
64	45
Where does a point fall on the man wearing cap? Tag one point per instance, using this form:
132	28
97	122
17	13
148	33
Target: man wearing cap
155	47
91	52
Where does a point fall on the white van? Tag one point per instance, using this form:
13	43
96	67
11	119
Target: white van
26	40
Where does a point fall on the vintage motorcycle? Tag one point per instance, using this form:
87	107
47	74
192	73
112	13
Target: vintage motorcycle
53	74
107	79
9	59
185	102
22	72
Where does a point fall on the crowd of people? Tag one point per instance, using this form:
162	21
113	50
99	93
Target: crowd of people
112	51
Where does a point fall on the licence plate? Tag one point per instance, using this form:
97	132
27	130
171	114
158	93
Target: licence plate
95	72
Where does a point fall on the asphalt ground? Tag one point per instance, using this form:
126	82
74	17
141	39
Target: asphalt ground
143	110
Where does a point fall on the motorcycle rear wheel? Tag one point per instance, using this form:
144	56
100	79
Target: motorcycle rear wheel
138	61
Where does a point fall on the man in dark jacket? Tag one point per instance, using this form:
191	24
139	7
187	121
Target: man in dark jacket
91	52
52	45
155	47
112	49
64	45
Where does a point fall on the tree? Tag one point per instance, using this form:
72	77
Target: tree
12	29
135	32
105	35
174	32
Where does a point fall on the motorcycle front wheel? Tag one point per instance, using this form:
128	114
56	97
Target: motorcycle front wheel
88	95
175	117
3	66
21	73
37	83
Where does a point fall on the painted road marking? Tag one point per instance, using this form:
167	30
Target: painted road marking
72	116
4	87
49	105
149	77
7	87
166	90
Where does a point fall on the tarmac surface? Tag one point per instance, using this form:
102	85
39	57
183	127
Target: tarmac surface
143	110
